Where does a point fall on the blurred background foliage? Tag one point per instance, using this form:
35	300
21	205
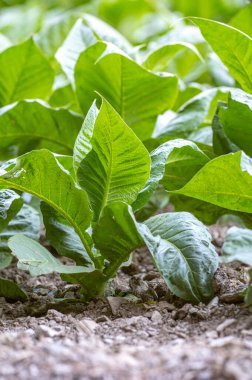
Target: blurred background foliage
138	20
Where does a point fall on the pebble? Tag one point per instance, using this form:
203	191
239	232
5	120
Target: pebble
156	317
225	324
214	302
115	303
102	318
87	325
45	331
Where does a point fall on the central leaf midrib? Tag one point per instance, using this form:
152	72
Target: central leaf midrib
109	173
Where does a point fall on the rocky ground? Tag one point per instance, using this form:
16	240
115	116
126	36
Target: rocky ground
138	331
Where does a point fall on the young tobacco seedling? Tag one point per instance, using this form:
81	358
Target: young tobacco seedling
88	218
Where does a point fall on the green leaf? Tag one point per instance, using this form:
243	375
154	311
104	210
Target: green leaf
24	73
172	165
106	32
86	32
138	95
189	117
34	258
235	120
232	46
54	32
10	204
40	174
12	291
26	222
242	20
181	248
226	181
221	143
62	236
34	125
116	234
78	40
115	165
238	246
157	60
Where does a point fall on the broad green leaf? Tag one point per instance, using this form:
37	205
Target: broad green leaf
172	165
86	32
116	234
54	32
62	236
138	95
24	73
34	125
238	246
10	204
21	21
34	258
79	38
221	143
181	248
82	144
11	291
26	222
115	165
107	33
242	20
157	59
40	174
202	135
226	181
232	46
189	117
235	120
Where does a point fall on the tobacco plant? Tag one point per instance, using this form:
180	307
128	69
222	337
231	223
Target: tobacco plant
97	135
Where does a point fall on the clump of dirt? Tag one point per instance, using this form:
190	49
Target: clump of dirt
139	330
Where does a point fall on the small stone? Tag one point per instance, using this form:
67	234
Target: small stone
138	320
198	313
115	303
151	276
222	342
54	315
213	303
41	291
70	295
234	297
212	334
45	331
181	313
225	324
156	317
164	305
86	325
102	318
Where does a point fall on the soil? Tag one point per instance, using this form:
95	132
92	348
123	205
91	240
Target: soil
138	331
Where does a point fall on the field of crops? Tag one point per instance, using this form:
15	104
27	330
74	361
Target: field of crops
126	189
